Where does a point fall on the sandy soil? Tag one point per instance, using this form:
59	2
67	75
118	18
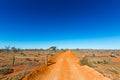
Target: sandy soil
64	66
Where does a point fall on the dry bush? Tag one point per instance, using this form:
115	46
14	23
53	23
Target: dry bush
6	71
28	59
18	76
84	61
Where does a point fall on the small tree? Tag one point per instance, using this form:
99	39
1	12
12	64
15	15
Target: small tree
7	48
77	49
14	49
53	48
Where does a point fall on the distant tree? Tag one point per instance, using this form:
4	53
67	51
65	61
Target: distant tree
0	50
53	48
62	49
7	48
67	49
19	49
41	49
14	49
77	49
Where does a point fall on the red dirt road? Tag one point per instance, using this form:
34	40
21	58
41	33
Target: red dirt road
65	67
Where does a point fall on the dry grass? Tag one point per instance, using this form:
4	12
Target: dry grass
24	61
109	67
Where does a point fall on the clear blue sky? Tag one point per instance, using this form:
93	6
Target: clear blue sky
64	23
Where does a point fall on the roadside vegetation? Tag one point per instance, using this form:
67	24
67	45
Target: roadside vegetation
20	61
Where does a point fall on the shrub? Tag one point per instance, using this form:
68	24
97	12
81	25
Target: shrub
85	61
28	59
6	71
18	76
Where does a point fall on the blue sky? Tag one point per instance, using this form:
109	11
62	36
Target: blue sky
65	23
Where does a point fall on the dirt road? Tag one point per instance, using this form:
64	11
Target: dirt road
65	67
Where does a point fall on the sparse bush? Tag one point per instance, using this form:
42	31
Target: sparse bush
1	50
6	71
36	60
28	59
18	76
106	62
84	61
22	53
93	54
90	64
99	62
36	55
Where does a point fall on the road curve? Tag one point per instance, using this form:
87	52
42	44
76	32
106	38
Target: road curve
65	66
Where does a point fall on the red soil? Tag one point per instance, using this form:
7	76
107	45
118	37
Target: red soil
116	59
65	67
